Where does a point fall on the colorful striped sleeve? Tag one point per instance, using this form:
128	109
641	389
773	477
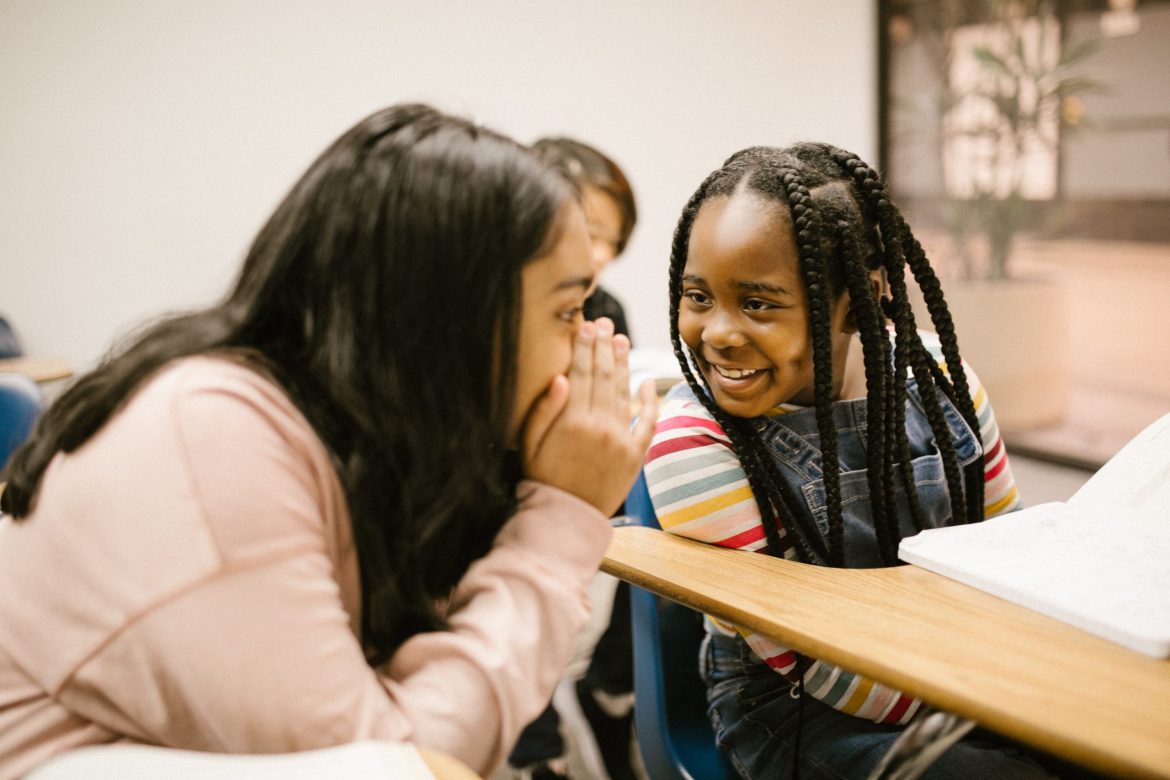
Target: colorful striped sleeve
697	486
1000	494
700	491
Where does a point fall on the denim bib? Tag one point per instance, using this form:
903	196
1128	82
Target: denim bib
794	444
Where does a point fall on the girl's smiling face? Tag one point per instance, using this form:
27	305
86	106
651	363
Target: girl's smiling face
744	310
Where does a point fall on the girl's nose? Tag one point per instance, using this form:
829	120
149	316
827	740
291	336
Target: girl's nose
723	332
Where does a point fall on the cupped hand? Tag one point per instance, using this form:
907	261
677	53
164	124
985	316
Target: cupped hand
578	435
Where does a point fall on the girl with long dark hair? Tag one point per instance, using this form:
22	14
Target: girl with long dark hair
361	497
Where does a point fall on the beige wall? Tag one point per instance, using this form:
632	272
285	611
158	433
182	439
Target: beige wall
1118	297
143	142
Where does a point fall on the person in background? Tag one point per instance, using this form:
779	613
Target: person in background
611	212
600	709
362	497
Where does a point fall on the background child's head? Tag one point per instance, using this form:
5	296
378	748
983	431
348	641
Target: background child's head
779	257
610	209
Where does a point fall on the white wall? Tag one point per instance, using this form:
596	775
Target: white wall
143	142
1125	151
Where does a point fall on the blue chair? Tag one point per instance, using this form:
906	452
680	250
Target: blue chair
20	405
674	735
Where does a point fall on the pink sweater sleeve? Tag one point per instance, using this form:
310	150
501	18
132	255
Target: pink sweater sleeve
255	651
513	621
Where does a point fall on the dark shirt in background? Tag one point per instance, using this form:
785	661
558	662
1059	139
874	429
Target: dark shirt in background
602	304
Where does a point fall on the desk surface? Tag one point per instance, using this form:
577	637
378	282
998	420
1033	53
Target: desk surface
39	369
1008	668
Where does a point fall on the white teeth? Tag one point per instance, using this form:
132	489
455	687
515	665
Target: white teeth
736	373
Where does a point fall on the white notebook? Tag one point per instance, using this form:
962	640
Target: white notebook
1100	561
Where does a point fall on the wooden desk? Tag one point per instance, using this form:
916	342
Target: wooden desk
37	368
1012	670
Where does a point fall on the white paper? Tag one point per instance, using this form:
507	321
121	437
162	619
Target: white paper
1138	476
1101	561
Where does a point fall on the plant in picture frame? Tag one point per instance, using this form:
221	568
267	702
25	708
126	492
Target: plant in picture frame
1011	88
983	93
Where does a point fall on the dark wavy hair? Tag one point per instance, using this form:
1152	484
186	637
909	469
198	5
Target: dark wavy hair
383	295
845	225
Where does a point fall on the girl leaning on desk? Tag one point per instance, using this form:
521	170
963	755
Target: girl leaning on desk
817	424
361	498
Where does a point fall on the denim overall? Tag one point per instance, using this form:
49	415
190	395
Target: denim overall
753	709
794	443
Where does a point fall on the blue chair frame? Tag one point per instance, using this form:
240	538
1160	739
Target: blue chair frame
674	734
20	406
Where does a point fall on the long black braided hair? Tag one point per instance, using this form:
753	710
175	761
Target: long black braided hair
845	226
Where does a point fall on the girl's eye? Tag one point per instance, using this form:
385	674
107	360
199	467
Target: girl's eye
697	297
571	315
754	304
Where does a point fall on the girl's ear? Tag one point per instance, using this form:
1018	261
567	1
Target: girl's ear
877	278
878	281
850	325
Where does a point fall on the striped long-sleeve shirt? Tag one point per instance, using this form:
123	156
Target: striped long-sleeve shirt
699	490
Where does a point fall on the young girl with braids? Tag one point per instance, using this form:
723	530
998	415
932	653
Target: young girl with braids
818	424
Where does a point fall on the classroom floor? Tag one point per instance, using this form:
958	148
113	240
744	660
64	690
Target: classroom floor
1039	482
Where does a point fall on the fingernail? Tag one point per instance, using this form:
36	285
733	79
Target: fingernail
604	326
587	331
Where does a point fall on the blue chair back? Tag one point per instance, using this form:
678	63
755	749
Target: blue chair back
674	735
20	405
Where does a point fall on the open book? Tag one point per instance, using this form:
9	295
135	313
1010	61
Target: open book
1100	561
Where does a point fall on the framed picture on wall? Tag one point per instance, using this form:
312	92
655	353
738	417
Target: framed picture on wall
1028	141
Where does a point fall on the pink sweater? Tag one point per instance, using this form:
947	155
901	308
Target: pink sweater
189	579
